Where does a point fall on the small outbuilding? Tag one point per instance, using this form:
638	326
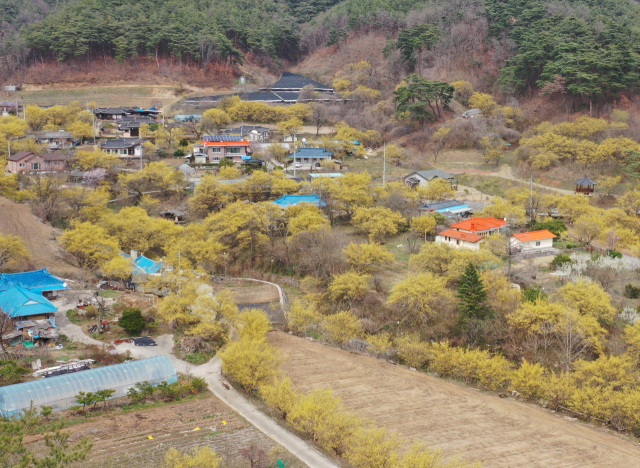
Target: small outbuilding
60	391
422	178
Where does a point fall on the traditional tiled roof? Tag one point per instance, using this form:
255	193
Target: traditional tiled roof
290	200
479	224
464	236
585	181
534	235
293	81
37	281
21	302
121	143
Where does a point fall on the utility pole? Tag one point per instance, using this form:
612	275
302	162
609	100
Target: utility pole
294	153
93	117
162	114
531	199
384	165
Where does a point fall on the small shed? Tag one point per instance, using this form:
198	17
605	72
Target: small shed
60	391
585	186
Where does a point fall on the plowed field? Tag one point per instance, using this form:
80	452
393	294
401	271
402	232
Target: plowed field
503	433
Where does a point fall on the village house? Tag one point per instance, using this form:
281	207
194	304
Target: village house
422	178
130	125
232	147
449	207
123	147
55	140
118	113
533	240
22	304
313	156
459	239
27	162
481	226
252	133
39	281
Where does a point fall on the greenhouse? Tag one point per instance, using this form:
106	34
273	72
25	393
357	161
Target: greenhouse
60	391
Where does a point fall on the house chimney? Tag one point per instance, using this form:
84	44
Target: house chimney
134	254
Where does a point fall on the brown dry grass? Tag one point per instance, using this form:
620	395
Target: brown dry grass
501	432
39	238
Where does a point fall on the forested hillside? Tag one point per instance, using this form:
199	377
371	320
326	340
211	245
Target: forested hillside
593	45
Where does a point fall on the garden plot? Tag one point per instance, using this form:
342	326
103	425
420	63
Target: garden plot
503	433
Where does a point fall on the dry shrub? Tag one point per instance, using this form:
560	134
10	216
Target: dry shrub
466	133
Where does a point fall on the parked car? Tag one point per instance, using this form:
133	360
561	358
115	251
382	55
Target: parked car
298	164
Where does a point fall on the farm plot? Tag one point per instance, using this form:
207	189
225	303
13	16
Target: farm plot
503	433
122	440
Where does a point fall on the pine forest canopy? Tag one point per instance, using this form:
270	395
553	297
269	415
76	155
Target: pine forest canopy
592	44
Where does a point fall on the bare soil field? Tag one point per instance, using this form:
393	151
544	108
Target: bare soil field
503	433
121	439
248	292
39	238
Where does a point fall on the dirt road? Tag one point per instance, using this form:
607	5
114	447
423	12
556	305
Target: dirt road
503	433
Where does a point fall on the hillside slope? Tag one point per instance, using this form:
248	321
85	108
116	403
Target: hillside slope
39	238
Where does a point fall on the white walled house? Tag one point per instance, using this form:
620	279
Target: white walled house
459	239
533	240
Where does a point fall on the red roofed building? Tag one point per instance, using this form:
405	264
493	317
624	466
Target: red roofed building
481	226
459	239
533	240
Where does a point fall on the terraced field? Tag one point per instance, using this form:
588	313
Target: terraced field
503	433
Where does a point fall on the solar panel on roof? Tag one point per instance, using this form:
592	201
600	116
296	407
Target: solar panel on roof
223	138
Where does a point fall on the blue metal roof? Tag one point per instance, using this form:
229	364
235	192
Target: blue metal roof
38	281
313	153
60	391
146	265
326	174
290	200
20	302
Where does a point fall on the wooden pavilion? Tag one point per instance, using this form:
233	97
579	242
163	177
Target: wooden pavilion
585	186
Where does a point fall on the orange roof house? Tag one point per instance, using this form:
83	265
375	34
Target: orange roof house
459	239
533	240
232	147
480	226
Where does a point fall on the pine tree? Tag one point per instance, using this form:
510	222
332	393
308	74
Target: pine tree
472	296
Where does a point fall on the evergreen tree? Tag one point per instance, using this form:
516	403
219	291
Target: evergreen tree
472	296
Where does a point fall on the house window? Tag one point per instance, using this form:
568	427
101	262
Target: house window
216	158
233	150
22	165
35	166
123	151
216	150
457	242
56	163
537	243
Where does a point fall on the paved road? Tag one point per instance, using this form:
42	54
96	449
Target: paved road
212	372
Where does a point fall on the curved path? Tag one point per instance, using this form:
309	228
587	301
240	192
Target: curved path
212	373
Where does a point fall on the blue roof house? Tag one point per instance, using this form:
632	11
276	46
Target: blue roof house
38	281
291	200
20	303
142	266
